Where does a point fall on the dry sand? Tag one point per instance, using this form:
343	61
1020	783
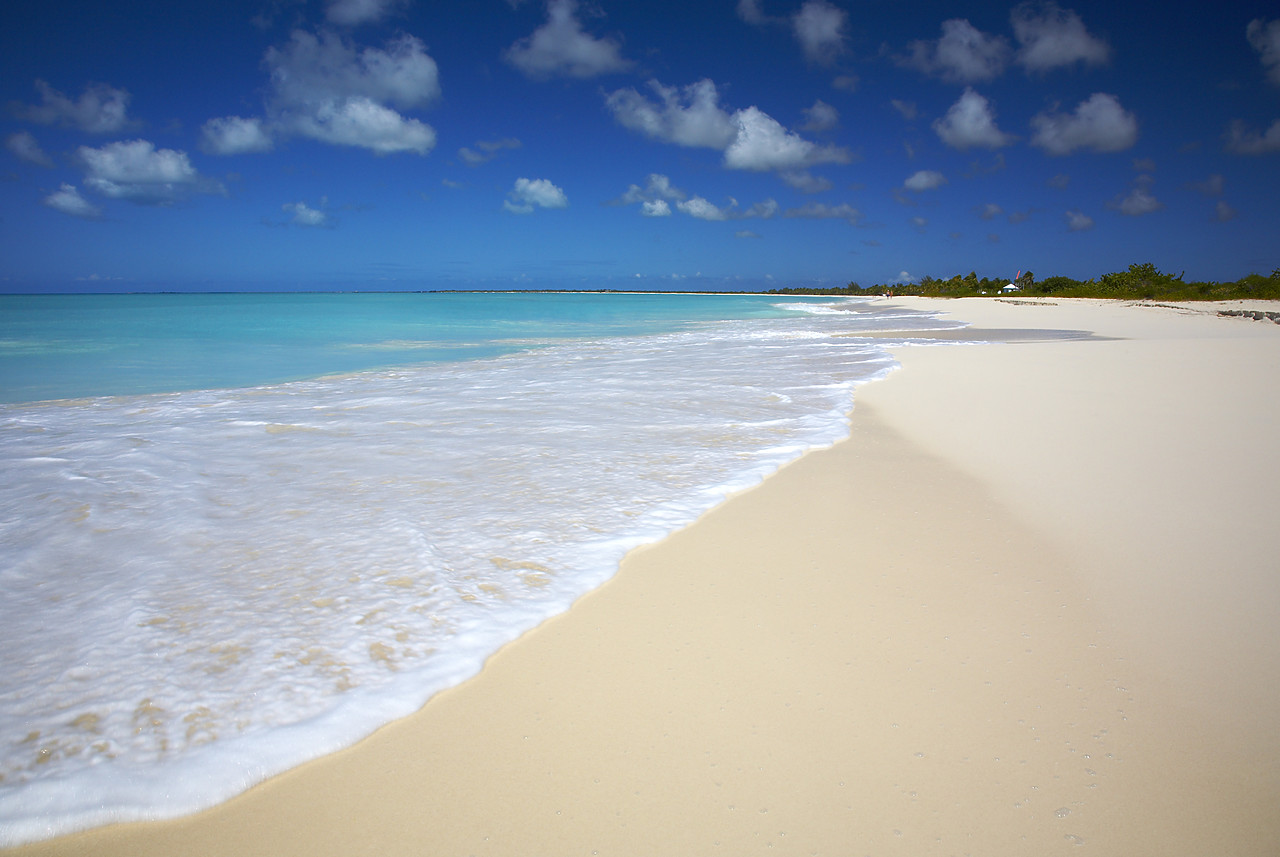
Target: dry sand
1029	607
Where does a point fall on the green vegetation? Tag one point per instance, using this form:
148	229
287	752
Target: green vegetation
1140	282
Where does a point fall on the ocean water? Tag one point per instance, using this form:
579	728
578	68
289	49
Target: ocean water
238	532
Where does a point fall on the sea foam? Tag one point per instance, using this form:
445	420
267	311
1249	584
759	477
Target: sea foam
203	589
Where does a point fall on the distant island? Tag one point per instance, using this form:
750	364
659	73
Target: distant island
1139	282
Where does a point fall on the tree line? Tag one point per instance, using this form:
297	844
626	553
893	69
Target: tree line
1140	282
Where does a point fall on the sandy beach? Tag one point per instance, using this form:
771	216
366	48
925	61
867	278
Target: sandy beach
1028	607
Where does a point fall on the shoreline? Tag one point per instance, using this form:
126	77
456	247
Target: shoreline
1014	648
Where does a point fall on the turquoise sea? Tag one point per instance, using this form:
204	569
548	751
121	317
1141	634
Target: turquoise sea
239	531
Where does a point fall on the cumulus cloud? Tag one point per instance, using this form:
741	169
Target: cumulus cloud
821	211
235	135
1051	37
657	187
687	117
750	139
1061	181
24	147
761	144
821	117
488	150
560	48
349	13
304	215
528	194
963	54
1098	123
819	28
971	123
655	208
1078	221
68	200
323	88
1223	212
363	123
137	171
101	109
702	209
1246	141
1139	200
924	180
990	211
312	69
1265	39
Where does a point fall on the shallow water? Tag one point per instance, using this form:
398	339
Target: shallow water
205	587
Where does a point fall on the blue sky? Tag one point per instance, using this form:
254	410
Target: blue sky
740	144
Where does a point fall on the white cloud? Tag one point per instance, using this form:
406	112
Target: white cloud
924	180
1265	38
311	70
489	150
821	211
234	135
819	28
1078	221
100	110
1098	123
750	139
1139	200
304	215
655	208
762	144
990	211
23	145
746	233
136	170
363	123
1052	37
1223	212
1245	141
963	54
351	12
686	117
530	193
702	209
919	222
657	187
324	89
821	116
68	200
971	122
561	48
1061	181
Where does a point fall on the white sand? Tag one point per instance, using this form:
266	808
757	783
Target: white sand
1028	608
